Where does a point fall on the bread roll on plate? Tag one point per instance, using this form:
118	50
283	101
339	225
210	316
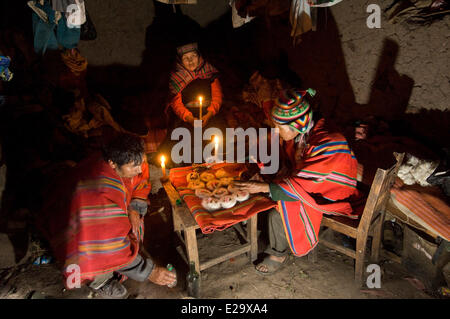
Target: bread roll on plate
203	193
227	201
219	192
211	203
241	196
206	176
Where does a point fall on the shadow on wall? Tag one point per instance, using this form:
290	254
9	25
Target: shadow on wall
390	91
140	93
319	62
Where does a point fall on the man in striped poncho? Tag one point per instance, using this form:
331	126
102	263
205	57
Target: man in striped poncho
94	220
322	182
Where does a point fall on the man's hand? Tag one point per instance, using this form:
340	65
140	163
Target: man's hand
206	118
253	187
161	276
136	222
257	177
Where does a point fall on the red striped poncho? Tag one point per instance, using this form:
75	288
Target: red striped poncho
323	182
181	77
91	228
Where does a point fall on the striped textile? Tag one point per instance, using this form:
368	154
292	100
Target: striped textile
181	77
328	170
220	219
422	206
92	230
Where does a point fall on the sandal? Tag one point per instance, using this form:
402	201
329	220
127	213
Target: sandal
272	266
112	289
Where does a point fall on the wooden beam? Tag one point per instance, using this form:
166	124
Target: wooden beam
349	252
245	248
337	226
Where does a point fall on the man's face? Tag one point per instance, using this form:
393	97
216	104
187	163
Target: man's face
127	170
287	132
190	60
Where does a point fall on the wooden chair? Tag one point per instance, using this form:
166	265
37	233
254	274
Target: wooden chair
370	223
185	226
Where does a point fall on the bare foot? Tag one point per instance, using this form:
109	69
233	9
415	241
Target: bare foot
264	269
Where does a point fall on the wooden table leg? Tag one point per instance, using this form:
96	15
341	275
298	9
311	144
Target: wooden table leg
191	247
252	237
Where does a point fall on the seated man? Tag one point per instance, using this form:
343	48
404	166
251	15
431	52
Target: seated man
321	181
94	220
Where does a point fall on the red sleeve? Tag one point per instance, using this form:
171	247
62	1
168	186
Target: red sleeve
178	107
216	97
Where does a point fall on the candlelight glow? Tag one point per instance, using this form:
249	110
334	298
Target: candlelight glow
200	98
163	165
216	139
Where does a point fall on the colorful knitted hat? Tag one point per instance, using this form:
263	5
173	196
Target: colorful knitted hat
187	48
292	109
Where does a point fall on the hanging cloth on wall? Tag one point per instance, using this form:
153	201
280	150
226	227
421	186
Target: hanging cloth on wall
300	15
88	31
300	18
323	3
76	14
50	28
237	20
5	74
61	5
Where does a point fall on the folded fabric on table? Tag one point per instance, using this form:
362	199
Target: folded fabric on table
220	219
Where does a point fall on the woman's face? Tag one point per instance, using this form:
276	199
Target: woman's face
287	132
190	60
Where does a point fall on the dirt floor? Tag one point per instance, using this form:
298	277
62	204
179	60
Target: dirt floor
331	276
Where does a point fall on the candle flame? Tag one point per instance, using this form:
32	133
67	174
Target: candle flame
163	159
200	98
216	139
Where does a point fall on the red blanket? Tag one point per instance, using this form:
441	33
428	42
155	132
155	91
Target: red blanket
220	219
87	222
324	181
424	205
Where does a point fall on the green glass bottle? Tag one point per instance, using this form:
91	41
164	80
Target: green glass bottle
170	268
193	282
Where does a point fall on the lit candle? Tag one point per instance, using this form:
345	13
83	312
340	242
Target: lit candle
200	99
163	165
216	145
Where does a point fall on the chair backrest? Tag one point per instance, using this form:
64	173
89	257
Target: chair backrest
380	192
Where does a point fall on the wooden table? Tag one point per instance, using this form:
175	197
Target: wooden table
183	221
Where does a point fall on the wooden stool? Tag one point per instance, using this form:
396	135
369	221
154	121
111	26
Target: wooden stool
184	221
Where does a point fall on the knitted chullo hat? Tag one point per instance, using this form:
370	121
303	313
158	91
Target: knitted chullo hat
181	50
292	109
